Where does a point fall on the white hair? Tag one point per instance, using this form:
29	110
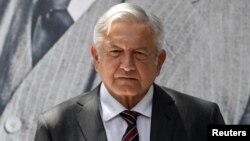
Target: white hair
128	12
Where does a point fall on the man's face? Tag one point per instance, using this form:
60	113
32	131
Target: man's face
127	62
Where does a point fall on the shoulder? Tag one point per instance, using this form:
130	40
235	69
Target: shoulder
182	99
190	106
68	109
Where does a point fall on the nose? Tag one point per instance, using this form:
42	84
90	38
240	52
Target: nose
127	63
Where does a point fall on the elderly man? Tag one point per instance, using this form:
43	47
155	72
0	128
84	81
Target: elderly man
128	105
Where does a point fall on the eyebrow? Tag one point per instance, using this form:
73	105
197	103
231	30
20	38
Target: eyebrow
113	46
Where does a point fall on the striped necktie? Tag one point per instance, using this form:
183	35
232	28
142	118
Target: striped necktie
131	133
52	21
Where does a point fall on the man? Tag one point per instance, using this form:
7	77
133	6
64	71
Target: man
128	105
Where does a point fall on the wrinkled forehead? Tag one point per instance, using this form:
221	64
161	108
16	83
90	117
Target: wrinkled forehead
130	30
128	19
130	36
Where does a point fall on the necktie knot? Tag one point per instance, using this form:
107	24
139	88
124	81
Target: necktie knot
131	133
130	116
57	19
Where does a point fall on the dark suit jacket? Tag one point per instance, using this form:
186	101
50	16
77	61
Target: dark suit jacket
175	117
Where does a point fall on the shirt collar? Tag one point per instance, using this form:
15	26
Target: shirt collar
110	107
77	7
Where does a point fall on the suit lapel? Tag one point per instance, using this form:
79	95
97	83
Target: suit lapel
89	118
165	123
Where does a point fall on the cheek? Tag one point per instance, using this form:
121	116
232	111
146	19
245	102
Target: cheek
147	71
108	66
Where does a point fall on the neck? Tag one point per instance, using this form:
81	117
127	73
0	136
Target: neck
128	101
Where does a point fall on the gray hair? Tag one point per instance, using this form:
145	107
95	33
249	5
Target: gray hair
128	12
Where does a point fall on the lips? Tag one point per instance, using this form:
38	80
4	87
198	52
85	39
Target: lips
126	77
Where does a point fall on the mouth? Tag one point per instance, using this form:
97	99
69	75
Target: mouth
127	78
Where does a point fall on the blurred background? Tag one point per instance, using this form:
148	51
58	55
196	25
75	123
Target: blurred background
45	55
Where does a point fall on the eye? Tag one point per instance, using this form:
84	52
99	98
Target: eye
115	53
140	55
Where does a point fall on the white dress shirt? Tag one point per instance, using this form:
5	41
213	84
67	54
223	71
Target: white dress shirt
115	126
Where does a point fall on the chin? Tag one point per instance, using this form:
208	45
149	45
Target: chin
127	90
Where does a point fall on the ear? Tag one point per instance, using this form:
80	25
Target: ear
95	56
161	59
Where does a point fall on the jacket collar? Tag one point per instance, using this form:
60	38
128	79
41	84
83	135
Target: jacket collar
162	122
166	122
91	126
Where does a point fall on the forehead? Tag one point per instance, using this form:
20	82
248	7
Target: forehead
130	32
